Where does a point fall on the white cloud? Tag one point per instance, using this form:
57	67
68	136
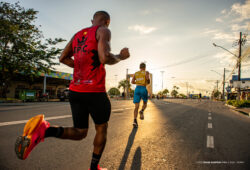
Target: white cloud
224	11
150	11
218	20
238	13
220	35
142	29
242	10
237	27
225	36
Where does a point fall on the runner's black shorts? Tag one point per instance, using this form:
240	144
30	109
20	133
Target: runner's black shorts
83	104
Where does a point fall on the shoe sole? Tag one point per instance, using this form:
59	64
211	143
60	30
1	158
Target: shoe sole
24	142
21	145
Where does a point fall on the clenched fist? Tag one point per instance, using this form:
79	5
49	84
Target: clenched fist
124	54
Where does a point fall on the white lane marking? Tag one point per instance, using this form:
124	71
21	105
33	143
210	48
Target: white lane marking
210	142
25	121
209	114
47	118
209	125
209	118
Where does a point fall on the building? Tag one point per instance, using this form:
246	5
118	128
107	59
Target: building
50	84
243	85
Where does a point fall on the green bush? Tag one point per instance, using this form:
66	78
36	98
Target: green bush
239	103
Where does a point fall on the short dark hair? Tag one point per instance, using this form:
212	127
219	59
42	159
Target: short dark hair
102	14
142	65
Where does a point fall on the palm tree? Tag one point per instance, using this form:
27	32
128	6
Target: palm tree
124	83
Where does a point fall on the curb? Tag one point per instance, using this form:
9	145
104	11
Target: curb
236	109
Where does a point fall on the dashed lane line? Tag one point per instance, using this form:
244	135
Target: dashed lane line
210	142
209	125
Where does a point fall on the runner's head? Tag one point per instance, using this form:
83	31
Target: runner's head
143	66
101	18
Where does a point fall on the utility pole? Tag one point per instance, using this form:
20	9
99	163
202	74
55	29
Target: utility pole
223	91
217	82
239	64
162	72
187	88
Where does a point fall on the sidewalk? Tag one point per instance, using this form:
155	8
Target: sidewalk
244	110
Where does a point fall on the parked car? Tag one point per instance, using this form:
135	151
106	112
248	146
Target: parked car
63	95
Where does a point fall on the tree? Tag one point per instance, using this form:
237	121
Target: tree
175	88
216	94
114	91
23	50
124	83
174	92
165	92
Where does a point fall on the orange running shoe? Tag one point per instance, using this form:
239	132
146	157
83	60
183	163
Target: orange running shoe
99	168
33	133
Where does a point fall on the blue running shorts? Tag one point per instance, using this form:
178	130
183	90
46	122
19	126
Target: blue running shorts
140	93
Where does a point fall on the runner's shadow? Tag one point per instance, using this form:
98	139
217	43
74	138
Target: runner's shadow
128	148
136	163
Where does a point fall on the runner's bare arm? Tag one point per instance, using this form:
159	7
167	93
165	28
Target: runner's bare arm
147	77
133	80
66	56
105	56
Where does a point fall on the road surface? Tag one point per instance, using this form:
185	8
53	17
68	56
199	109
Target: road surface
175	134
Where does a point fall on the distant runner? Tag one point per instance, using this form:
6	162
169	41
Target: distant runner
199	97
141	79
91	50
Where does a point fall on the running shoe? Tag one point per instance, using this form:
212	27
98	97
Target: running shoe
141	115
135	124
33	133
99	168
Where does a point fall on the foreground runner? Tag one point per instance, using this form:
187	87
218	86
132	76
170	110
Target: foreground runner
141	79
91	50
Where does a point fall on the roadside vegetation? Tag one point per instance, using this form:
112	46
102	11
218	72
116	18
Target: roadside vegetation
239	103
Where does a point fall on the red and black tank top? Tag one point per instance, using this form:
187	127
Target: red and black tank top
89	73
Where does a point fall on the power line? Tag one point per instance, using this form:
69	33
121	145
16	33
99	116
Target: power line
181	62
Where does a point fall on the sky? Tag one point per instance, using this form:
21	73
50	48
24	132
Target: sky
174	38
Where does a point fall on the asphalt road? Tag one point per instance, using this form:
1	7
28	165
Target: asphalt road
176	134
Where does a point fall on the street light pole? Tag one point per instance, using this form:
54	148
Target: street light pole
127	78
223	91
162	72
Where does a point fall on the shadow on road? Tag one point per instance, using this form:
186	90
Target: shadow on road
128	148
136	163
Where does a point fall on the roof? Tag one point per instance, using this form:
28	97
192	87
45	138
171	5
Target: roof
57	74
235	78
54	74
